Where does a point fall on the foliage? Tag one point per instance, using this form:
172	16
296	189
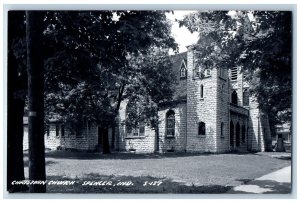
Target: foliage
260	42
151	84
89	60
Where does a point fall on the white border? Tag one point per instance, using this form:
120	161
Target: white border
147	4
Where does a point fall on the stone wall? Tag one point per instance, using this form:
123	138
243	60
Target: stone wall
141	144
201	109
178	142
222	139
85	141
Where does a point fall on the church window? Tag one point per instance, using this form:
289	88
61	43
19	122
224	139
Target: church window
182	70
234	97
201	128
136	131
201	91
135	127
222	129
170	123
246	97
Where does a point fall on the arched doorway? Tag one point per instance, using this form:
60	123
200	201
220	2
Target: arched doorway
231	135
243	134
237	135
234	97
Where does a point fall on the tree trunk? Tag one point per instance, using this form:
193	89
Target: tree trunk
35	99
113	136
120	95
16	86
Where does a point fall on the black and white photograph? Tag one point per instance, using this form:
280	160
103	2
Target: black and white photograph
157	101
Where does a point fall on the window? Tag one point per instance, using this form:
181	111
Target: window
246	97
222	129
234	73
208	72
234	97
201	91
135	126
182	70
170	123
201	128
57	130
136	131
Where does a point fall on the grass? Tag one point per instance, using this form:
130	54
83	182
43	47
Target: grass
179	173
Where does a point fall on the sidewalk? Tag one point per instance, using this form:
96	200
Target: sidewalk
278	182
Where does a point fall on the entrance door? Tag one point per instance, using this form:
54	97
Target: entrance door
103	142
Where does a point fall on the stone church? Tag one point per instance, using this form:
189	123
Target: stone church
212	111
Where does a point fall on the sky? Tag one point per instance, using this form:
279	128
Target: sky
182	36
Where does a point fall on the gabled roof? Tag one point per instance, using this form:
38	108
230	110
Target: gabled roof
180	89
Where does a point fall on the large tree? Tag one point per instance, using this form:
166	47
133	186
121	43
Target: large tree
260	42
91	66
35	72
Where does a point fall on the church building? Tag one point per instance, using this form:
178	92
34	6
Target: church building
212	111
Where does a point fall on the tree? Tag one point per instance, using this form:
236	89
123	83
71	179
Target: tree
16	95
88	71
35	72
152	85
262	46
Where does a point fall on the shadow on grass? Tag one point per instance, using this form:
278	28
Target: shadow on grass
26	163
118	155
130	184
268	186
283	157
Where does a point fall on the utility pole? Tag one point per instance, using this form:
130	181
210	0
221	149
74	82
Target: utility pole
35	67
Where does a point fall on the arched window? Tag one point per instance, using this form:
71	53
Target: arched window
234	97
182	70
222	129
246	97
201	128
201	91
170	123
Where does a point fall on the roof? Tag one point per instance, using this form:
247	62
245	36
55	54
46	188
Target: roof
180	89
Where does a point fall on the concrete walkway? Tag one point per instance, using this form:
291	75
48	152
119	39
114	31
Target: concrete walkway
278	182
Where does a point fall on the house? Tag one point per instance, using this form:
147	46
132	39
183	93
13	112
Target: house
212	111
283	134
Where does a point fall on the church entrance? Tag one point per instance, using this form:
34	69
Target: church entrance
231	136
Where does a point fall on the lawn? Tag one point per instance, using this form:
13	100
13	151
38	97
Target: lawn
170	173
